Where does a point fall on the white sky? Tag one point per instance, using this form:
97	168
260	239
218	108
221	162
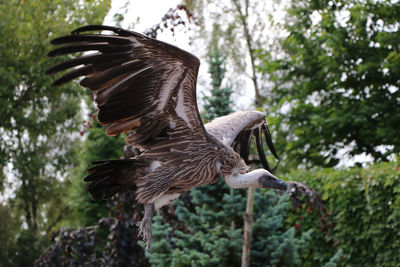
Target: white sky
140	15
149	12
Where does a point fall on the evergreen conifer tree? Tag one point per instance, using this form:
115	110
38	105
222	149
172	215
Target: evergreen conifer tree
219	103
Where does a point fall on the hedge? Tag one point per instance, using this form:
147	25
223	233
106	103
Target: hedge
362	219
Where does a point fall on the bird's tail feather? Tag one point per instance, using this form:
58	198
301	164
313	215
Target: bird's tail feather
109	177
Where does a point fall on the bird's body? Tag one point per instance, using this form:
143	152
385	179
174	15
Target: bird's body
187	165
147	88
162	173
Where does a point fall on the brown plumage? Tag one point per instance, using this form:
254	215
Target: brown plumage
147	88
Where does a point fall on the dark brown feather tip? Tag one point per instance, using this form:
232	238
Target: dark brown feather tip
268	140
87	59
74	74
260	149
83	47
111	73
117	30
93	38
245	145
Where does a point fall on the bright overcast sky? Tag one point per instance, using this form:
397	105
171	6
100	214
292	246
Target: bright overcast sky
150	12
139	15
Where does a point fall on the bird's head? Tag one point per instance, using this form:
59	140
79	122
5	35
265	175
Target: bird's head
257	178
268	180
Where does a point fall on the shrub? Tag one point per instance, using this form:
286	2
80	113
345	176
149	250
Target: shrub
364	215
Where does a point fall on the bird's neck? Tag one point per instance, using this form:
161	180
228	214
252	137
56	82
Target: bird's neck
246	180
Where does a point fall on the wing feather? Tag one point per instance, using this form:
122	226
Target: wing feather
140	84
237	129
75	73
92	38
245	139
268	140
85	60
260	149
83	47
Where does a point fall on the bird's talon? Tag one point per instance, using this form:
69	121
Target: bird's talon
145	231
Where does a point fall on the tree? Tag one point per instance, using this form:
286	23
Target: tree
337	89
111	242
97	146
208	227
246	28
8	230
363	225
37	119
106	234
219	103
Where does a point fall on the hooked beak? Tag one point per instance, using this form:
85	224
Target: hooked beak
270	181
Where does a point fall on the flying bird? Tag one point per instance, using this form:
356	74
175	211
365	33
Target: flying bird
147	88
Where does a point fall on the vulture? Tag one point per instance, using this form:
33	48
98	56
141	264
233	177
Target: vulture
147	89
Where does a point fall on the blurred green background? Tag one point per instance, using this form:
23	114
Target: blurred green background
327	73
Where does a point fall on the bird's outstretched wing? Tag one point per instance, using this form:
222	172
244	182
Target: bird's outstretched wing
140	84
237	129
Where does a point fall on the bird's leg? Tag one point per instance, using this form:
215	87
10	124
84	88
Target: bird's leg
145	224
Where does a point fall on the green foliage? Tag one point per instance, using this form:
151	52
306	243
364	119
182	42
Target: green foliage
239	29
97	146
338	87
110	243
274	243
213	236
338	84
8	230
333	262
364	221
37	119
219	103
